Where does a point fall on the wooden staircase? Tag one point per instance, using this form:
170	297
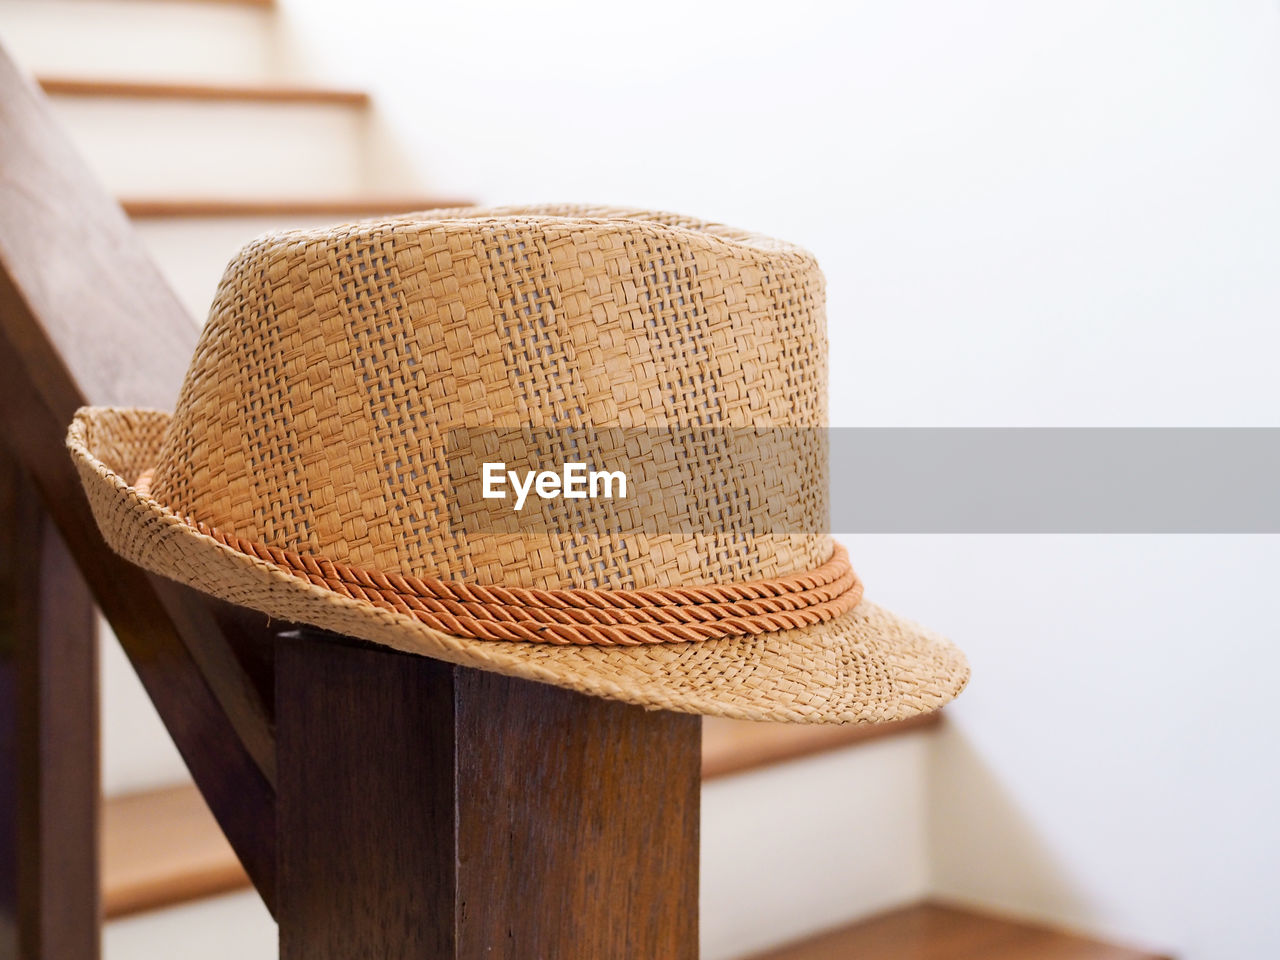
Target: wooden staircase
203	664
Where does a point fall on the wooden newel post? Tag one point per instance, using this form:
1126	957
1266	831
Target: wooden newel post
433	811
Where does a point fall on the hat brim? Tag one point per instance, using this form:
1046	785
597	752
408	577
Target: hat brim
866	665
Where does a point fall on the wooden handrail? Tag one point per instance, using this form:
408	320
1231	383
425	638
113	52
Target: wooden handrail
85	317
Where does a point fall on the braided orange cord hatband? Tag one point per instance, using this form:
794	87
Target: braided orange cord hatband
578	616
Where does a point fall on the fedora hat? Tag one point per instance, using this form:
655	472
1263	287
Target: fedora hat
312	468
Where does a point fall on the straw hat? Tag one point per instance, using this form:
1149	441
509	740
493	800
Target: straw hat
305	472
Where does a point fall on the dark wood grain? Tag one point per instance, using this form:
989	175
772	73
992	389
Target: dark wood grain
85	317
49	898
577	821
428	810
930	931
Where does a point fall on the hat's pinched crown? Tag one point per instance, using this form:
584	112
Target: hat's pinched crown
336	363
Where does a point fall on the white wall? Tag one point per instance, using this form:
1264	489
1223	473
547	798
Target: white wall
1112	766
809	845
1049	213
1056	212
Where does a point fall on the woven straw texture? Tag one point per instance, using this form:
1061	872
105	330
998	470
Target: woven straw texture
311	430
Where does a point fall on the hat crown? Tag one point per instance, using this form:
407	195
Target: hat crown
336	363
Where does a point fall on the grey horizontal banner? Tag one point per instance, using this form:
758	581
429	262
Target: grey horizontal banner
1056	480
718	481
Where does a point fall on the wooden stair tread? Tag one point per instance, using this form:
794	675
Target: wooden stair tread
183	90
931	931
175	207
266	4
733	746
162	847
